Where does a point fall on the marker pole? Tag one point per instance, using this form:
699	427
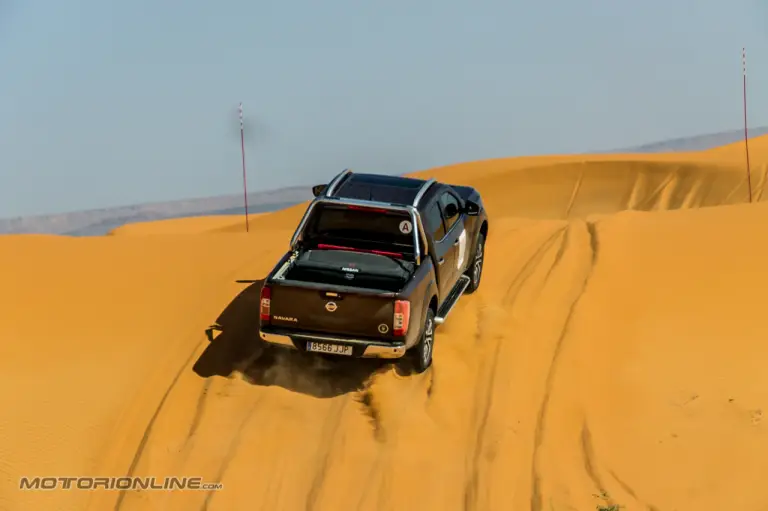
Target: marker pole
242	150
746	135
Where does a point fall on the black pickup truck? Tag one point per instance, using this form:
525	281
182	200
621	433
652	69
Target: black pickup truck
376	262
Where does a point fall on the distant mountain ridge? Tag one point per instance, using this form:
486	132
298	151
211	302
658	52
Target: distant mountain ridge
694	143
97	222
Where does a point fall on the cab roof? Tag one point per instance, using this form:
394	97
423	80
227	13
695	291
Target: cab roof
379	188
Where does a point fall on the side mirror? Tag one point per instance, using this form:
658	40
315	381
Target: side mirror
451	210
471	208
318	189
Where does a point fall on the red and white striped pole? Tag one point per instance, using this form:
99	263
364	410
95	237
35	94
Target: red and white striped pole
746	135
242	149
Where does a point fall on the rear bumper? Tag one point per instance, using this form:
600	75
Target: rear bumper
361	348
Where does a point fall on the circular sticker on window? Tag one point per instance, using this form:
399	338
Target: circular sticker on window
406	227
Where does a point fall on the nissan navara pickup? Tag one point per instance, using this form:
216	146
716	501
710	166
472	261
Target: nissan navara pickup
376	263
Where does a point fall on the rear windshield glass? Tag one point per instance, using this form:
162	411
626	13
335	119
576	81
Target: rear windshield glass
343	224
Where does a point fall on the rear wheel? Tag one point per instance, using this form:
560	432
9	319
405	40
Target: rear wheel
475	270
422	352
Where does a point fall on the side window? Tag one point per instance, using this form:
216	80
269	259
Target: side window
450	207
435	222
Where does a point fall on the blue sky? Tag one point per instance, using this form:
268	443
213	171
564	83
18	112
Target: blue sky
111	103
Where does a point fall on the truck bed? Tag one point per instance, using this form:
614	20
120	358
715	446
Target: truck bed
337	266
336	291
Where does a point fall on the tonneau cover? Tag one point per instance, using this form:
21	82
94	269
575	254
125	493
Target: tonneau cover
351	268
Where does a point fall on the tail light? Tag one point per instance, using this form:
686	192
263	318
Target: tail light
401	317
264	303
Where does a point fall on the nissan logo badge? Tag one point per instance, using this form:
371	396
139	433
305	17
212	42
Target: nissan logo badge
330	306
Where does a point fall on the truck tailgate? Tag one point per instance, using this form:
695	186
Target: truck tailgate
330	311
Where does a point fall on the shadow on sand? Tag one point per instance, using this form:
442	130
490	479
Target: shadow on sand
238	349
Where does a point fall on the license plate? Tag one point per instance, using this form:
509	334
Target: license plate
325	347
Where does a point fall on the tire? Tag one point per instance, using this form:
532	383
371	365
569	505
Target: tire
475	270
422	352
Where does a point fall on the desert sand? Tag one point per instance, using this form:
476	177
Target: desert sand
186	225
612	357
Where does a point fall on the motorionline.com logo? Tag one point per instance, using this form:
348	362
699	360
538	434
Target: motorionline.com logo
117	483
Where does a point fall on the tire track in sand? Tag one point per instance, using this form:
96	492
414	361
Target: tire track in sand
322	435
531	263
330	429
232	449
484	395
536	497
320	462
199	409
391	418
142	444
486	382
150	425
483	400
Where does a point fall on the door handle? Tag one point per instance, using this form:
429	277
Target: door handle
441	261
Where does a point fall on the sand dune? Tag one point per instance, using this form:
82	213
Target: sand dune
187	225
613	356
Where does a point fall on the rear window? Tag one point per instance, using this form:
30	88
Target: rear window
345	224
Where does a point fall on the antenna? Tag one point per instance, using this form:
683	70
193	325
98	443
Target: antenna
746	136
242	150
